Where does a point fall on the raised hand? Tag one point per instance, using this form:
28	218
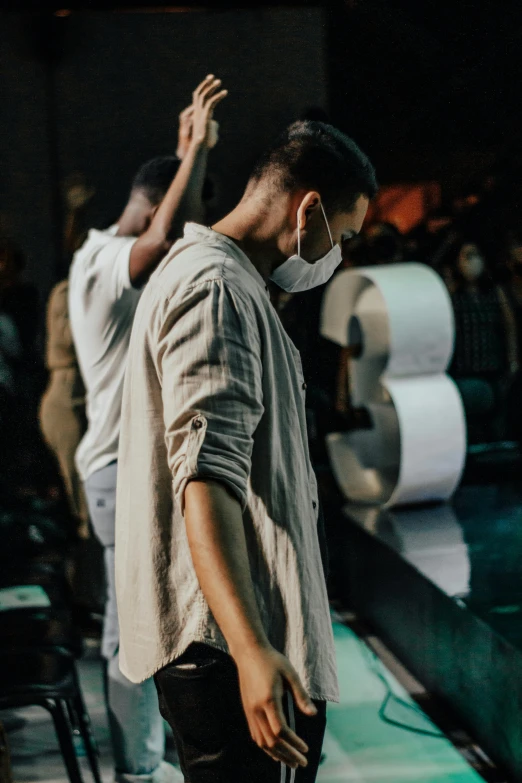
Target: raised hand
204	101
185	131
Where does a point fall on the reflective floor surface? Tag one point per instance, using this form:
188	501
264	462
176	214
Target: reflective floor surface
471	548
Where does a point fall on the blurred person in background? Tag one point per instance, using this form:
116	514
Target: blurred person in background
220	578
62	411
513	276
427	241
485	358
384	244
18	298
10	352
63	419
107	278
19	304
512	284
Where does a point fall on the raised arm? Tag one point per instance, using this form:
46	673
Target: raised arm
182	201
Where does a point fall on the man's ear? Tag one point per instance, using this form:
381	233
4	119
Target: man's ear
310	203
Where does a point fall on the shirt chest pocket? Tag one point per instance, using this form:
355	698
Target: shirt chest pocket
300	381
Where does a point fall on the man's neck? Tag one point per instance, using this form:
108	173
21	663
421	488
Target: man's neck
255	231
132	222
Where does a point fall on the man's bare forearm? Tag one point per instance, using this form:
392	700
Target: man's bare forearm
217	542
182	202
184	197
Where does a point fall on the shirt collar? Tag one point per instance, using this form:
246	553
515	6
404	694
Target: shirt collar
195	230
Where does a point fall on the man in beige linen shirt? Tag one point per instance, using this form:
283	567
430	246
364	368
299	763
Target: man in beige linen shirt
220	585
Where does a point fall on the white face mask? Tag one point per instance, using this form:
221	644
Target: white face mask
472	267
295	274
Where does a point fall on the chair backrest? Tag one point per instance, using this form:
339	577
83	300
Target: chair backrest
36	671
39	627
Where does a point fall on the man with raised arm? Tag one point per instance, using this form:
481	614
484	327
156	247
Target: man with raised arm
106	281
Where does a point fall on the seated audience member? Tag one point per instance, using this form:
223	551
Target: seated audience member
486	351
512	279
10	351
384	244
18	299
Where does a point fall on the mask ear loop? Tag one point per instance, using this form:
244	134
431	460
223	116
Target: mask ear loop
327	226
298	235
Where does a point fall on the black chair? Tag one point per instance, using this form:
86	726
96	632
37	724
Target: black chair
40	627
46	676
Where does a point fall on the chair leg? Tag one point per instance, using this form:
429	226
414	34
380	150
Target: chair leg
86	731
73	718
6	773
64	733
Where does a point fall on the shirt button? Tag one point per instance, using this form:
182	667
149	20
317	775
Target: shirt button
197	424
304	386
314	504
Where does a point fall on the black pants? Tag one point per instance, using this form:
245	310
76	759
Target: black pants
204	709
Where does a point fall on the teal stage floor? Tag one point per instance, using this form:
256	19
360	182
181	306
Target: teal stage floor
359	746
362	748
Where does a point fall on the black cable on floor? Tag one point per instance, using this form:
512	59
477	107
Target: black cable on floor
390	696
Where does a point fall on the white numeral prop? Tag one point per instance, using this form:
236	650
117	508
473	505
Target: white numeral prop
401	316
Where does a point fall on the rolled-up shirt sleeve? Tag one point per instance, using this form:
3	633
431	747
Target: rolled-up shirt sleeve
209	363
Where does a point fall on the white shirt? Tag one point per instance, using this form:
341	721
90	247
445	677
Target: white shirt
215	388
102	303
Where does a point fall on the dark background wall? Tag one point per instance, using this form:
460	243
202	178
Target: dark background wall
432	88
101	92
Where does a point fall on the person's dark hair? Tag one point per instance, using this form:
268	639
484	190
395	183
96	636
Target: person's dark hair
319	157
155	176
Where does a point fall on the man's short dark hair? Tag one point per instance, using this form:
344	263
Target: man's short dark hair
317	156
155	176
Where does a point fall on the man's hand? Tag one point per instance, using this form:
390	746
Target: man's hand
204	101
264	674
185	131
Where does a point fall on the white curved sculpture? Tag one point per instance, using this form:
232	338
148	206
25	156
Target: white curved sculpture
402	317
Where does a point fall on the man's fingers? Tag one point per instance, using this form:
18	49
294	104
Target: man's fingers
187	112
275	744
281	729
202	85
213	102
208	91
255	732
